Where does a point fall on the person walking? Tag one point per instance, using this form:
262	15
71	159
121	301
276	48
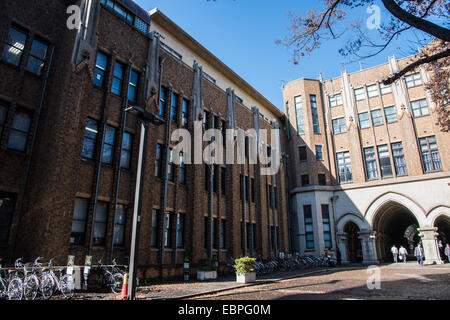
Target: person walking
418	252
447	252
403	253
394	251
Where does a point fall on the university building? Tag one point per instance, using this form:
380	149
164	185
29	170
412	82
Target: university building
370	165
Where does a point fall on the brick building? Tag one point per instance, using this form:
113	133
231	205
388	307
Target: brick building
370	165
69	151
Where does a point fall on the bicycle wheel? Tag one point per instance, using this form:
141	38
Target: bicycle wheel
116	283
47	286
15	289
67	286
30	287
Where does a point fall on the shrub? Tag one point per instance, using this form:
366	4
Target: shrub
244	265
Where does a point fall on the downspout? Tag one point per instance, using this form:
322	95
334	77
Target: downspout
29	160
288	202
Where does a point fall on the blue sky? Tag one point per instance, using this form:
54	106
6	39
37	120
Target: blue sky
242	34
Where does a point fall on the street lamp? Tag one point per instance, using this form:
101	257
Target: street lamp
145	117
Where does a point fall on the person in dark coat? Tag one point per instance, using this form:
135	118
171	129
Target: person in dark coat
418	252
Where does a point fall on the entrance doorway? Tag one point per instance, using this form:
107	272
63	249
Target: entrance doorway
354	249
443	228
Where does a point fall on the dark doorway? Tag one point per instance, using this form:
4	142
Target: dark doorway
354	249
443	228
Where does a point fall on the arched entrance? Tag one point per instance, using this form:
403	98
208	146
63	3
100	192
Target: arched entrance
443	229
354	249
395	225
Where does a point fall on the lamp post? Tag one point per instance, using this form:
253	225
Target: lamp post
145	117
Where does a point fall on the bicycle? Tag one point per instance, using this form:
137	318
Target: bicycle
49	282
30	281
15	286
113	278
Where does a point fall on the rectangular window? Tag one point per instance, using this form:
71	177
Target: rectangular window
305	180
253	190
390	114
100	68
309	230
223	234
158	161
171	51
206	120
180	231
3	114
336	100
339	126
171	167
205	232
15	44
399	159
326	224
319	153
385	89
385	161
314	113
420	108
163	102
413	80
108	145
372	91
79	219
119	226
360	94
8	203
125	155
116	87
322	179
101	216
371	163
182	169
216	179
174	108
168	231
299	114
36	60
223	179
155	224
344	166
214	233
302	153
18	135
364	121
141	25
430	154
185	113
90	139
132	86
377	117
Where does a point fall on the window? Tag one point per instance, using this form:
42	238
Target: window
305	180
116	87
419	108
377	117
385	161
101	216
223	234
90	139
399	159
205	232
314	113
119	226
125	155
364	121
385	89
3	114
108	145
336	100
326	224
182	169
302	153
171	167
372	91
13	50
319	154
155	224
206	120
251	235
212	80
163	102
185	113
158	161
174	108
344	166
359	94
133	85
237	98
36	61
322	179
430	154
168	231
339	126
20	128
180	231
171	51
253	189
80	212
141	25
100	68
390	114
309	231
413	80
371	163
7	205
214	233
223	180
299	115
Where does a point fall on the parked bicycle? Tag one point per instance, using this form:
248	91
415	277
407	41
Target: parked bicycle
112	277
51	282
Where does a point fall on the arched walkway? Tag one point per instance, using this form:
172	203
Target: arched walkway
354	249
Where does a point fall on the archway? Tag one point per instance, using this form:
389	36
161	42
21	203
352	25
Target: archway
395	225
443	228
354	249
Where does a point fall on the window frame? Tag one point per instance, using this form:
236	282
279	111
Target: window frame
18	131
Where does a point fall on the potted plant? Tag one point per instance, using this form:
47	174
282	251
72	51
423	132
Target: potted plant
245	270
207	270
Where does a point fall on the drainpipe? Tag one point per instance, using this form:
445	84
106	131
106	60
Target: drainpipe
211	209
273	214
288	201
333	199
244	186
29	160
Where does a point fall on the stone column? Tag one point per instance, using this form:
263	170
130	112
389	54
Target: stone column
342	244
368	246
430	245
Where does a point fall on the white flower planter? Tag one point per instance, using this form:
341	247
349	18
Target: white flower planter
206	275
246	277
